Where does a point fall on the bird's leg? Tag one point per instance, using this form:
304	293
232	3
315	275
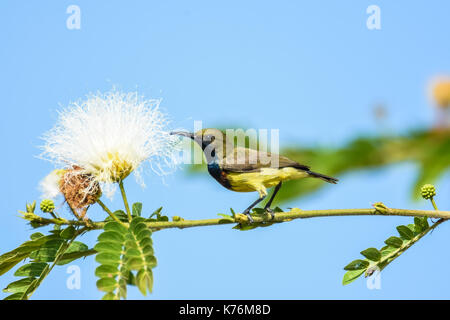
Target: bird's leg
247	211
268	204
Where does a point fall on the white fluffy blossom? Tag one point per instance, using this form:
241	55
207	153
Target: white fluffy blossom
49	186
109	136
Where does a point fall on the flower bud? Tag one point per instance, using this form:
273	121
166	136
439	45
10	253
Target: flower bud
47	205
428	191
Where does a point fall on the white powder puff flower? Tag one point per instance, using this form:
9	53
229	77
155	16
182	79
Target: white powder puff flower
109	136
49	186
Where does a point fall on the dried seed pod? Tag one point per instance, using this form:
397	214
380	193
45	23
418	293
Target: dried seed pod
80	190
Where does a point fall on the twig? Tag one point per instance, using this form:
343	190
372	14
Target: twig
294	213
106	209
125	200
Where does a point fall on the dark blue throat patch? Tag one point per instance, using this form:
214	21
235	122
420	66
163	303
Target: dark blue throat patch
217	173
214	169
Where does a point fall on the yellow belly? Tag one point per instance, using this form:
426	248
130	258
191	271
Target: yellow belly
266	178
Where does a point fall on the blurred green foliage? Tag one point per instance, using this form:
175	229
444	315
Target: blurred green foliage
429	149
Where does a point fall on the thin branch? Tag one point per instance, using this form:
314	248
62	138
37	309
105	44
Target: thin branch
295	213
106	209
125	200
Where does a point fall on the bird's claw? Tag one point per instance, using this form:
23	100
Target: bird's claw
272	213
249	216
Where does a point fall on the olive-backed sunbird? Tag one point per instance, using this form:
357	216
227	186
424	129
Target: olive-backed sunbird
241	169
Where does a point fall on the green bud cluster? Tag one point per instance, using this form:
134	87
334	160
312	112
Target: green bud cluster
428	191
47	205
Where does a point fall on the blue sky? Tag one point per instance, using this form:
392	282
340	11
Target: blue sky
311	69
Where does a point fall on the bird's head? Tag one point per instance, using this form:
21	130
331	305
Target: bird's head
211	140
205	137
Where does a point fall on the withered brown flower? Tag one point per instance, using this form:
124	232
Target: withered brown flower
80	190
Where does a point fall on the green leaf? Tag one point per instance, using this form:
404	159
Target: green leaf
6	266
357	265
412	227
47	251
14	296
386	250
133	253
116	227
19	285
143	234
31	206
425	224
108	258
405	232
31	269
135	223
137	209
107	284
146	242
111	236
75	251
68	232
421	224
122	286
140	228
144	281
372	254
121	250
394	242
9	259
36	235
147	250
110	296
122	280
139	263
139	254
40	249
156	213
111	247
131	278
106	271
120	214
112	273
351	276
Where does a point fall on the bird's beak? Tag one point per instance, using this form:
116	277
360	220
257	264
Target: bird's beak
184	134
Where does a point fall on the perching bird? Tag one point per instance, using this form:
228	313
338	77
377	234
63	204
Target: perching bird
242	169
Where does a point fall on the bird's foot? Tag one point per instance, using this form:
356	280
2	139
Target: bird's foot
249	216
272	213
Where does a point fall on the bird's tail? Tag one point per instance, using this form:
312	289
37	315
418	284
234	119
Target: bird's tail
323	177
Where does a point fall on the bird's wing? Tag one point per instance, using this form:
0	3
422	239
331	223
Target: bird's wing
250	160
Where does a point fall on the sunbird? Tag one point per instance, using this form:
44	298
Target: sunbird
242	169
